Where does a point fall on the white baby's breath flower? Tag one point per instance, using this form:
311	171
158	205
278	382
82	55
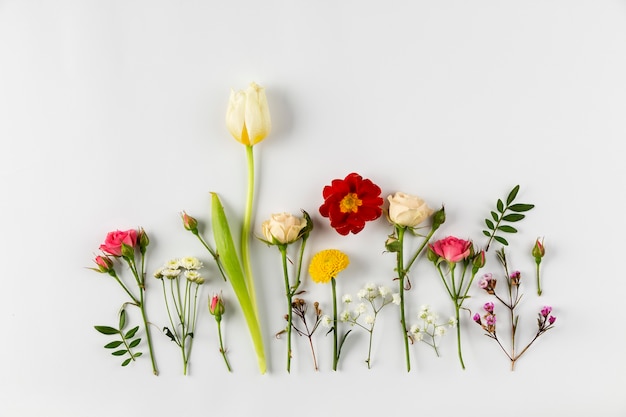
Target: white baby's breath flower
326	321
370	319
362	294
347	299
384	291
424	307
361	308
452	322
415	329
189	262
396	298
370	287
345	316
441	330
423	315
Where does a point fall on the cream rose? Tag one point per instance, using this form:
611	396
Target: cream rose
283	228
407	210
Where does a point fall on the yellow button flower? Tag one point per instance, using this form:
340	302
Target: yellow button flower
326	264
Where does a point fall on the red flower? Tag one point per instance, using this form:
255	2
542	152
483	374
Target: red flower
350	202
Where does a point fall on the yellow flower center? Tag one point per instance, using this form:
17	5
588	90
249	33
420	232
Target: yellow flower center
327	264
350	203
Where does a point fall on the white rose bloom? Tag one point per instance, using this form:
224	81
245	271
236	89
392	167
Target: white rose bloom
283	228
407	210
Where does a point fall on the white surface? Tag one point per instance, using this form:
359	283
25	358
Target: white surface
112	116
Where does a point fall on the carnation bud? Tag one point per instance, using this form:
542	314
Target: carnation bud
189	223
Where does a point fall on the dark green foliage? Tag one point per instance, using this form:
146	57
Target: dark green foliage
506	213
127	342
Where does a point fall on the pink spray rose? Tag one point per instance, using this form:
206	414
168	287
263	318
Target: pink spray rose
113	242
452	249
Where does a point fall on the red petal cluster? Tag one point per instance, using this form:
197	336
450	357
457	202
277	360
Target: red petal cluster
350	202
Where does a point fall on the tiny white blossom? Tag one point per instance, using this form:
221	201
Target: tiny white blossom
452	322
347	299
441	330
361	294
415	329
326	321
370	287
425	307
384	291
189	262
170	273
396	298
192	276
370	319
345	316
172	264
361	308
423	314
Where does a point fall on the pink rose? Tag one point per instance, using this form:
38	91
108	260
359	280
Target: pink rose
113	242
452	249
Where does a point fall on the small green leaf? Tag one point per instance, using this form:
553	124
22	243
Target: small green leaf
119	352
136	355
131	332
126	362
501	240
113	345
486	233
122	319
519	208
507	229
489	224
514	217
494	215
512	195
134	343
106	330
500	206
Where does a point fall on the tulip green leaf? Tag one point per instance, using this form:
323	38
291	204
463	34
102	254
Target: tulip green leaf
509	213
232	266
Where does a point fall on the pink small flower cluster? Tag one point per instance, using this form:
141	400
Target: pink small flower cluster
545	317
490	318
488	283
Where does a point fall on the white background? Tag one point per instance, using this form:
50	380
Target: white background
112	116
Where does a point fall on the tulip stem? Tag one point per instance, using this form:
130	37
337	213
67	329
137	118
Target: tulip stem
245	230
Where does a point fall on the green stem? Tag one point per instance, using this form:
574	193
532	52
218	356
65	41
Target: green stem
245	230
335	330
213	254
458	334
401	276
142	307
222	350
538	279
288	294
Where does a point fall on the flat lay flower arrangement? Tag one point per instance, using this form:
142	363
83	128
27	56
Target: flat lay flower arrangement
349	203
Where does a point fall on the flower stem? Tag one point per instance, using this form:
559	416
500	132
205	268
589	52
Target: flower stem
538	279
335	330
288	294
401	276
222	350
458	334
245	230
142	307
